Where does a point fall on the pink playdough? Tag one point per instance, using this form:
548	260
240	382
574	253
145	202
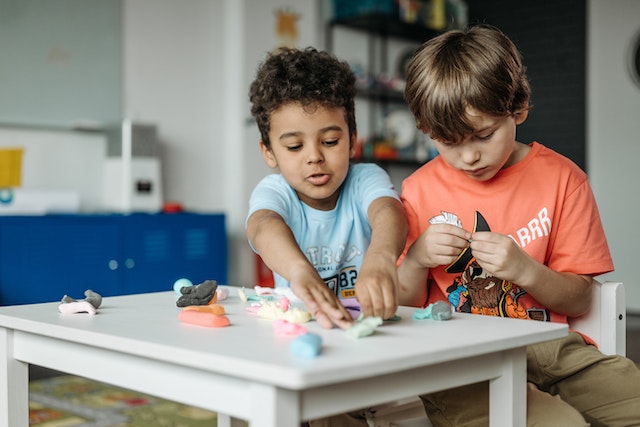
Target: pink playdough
284	303
282	327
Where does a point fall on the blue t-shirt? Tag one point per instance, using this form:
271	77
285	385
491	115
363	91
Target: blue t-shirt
333	241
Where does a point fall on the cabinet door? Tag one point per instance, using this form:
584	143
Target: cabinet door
44	258
159	249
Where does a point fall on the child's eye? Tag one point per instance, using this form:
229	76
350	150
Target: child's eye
484	137
295	147
331	143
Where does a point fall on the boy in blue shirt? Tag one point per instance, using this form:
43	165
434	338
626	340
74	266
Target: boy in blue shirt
321	223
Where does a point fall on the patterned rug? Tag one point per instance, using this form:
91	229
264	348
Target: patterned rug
69	401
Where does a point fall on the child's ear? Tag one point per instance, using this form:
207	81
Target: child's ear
353	142
521	116
267	156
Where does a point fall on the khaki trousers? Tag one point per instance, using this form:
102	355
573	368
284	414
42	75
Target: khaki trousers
570	384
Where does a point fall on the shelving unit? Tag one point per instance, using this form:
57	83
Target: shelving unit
381	86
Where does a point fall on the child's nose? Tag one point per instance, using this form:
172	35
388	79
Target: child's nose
314	155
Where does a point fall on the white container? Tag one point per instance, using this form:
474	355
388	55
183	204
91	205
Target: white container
132	173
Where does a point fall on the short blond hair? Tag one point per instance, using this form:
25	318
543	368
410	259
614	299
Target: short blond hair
479	68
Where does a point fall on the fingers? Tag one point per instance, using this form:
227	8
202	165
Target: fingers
325	307
378	301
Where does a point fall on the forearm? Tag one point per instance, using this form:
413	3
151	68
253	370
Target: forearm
412	277
565	293
276	245
389	228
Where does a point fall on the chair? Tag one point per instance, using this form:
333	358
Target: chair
605	323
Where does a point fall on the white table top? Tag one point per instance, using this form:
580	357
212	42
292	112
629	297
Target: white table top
148	325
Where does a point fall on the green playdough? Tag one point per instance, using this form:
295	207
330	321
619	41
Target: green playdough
439	310
364	327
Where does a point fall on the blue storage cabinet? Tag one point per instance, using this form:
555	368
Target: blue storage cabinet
43	258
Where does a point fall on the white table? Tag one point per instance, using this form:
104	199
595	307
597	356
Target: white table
247	372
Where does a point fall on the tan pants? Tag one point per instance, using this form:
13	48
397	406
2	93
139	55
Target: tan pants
570	384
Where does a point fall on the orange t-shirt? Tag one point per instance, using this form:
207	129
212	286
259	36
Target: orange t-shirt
544	202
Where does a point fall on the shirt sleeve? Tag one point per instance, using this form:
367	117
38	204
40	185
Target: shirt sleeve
371	182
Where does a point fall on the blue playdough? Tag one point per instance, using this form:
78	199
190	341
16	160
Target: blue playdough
181	283
307	345
439	310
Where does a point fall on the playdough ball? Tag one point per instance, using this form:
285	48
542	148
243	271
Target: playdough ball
441	310
307	345
181	283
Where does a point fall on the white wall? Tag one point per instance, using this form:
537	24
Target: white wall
187	68
613	129
60	160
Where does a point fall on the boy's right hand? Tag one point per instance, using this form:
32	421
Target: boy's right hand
320	301
440	244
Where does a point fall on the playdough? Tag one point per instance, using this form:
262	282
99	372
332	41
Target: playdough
89	305
307	345
283	327
202	318
439	310
181	283
76	307
209	308
222	294
270	310
364	327
200	294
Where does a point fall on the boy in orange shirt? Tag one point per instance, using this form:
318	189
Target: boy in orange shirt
503	228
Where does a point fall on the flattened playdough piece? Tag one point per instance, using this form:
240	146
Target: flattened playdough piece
211	308
271	311
364	327
202	318
439	310
283	327
76	307
307	345
222	294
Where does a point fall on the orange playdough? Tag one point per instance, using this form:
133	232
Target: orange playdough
202	318
212	308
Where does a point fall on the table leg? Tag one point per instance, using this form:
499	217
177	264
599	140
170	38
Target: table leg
508	393
274	407
229	421
14	385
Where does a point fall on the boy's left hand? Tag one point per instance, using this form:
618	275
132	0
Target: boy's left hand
500	255
377	286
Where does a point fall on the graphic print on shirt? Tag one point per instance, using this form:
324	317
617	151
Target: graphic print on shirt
343	283
477	290
330	265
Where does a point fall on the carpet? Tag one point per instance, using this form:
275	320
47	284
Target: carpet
69	401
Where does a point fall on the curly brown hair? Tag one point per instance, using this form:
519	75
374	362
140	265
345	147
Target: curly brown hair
310	77
479	67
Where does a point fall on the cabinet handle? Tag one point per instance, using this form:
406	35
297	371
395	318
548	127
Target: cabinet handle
129	263
113	264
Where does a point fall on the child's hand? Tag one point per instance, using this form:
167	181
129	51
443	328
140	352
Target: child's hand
377	286
320	301
440	244
500	255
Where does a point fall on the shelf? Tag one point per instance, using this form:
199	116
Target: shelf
388	162
381	94
386	26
